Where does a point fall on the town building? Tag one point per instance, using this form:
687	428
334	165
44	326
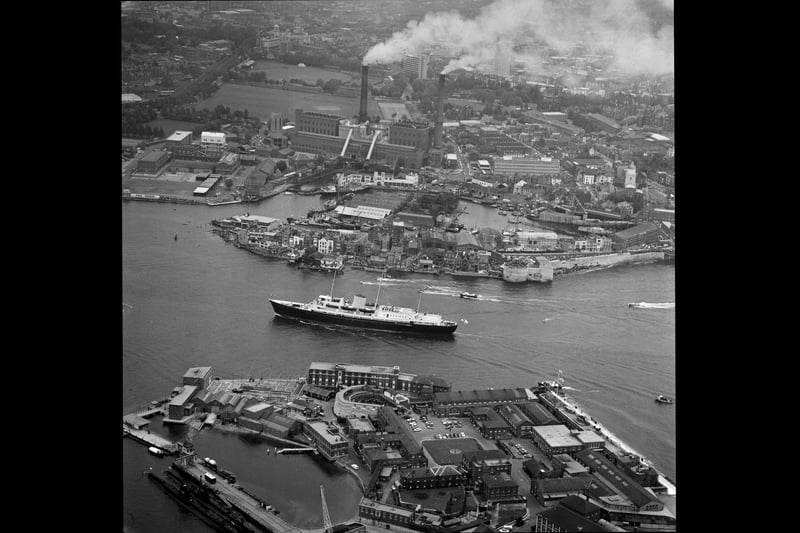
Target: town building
498	487
411	133
213	142
494	427
152	162
429	478
178	138
480	462
559	518
416	65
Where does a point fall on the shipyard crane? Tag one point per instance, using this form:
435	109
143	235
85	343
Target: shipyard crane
326	517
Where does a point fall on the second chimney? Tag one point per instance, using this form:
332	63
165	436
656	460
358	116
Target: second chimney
437	132
362	109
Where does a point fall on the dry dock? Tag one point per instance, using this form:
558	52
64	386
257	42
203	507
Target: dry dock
240	500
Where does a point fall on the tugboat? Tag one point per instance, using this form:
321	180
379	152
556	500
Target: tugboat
469	295
358	313
663	399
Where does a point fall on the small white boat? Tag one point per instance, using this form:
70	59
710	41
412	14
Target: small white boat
663	399
469	295
288	193
156	451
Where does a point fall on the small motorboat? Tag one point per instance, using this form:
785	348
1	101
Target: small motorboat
663	399
469	295
155	451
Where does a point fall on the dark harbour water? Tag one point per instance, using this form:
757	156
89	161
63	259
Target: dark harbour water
198	301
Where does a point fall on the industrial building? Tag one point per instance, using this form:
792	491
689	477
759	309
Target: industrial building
555	439
526	166
198	376
457	403
180	406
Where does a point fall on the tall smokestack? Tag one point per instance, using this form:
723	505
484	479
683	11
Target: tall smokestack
362	109
437	132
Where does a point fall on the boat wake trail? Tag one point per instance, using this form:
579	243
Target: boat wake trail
646	305
548	319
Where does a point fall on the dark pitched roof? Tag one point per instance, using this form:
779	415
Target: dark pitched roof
567	520
582	506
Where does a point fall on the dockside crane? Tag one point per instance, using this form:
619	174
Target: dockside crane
326	517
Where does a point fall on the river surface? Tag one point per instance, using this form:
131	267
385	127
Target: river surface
197	301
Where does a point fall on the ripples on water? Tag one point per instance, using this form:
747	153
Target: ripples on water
198	301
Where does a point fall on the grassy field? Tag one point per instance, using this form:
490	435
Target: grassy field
281	71
171	126
261	101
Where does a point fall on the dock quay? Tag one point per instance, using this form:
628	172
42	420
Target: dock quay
238	499
146	437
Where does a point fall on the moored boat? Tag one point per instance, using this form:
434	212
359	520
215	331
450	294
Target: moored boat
663	399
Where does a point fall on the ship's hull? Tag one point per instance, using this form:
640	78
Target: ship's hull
298	313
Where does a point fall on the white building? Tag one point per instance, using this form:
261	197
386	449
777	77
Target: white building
630	178
212	141
325	245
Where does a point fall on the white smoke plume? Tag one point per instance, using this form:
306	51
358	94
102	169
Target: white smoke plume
623	28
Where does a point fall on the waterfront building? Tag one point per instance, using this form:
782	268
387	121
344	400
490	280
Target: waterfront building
257	410
335	375
536	240
538	414
555	439
458	403
498	487
629	496
327	439
645	233
180	405
199	376
524	166
228	163
416	220
152	162
388	514
520	425
387	153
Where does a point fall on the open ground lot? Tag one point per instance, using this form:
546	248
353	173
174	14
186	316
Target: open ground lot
281	71
262	101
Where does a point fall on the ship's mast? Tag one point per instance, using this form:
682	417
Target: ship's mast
380	282
332	282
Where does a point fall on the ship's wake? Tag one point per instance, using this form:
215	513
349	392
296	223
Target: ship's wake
648	305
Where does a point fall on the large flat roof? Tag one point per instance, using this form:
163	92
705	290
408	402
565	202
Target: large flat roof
556	436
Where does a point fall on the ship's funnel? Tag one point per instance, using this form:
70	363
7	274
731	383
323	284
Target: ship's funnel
362	109
437	132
